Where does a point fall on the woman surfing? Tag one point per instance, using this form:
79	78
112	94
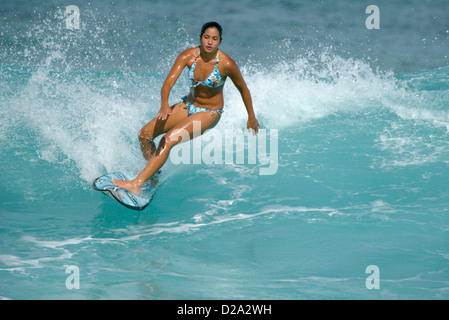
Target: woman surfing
209	68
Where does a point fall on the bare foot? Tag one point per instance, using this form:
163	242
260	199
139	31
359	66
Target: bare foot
131	186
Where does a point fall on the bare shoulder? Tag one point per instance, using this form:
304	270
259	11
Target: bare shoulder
227	63
188	55
191	51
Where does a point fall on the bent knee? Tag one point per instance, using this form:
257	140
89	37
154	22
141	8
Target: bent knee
146	134
170	141
167	142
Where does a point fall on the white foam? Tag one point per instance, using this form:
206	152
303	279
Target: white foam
79	122
92	120
290	92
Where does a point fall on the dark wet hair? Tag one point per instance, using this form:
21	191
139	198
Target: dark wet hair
211	24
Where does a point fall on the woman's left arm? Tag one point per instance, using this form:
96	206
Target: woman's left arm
234	73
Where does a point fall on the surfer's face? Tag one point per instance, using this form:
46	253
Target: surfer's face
210	40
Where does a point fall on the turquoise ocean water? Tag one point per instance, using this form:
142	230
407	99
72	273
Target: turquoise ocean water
362	153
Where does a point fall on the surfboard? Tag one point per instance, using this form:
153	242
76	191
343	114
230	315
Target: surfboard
124	197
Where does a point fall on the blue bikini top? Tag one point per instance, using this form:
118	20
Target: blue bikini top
214	80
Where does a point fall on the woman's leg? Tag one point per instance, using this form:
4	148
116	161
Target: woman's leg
168	141
156	127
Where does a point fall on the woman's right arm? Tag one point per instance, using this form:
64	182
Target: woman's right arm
175	72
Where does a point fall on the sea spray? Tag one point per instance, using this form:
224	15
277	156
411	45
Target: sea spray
92	119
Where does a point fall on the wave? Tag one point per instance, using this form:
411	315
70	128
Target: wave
90	119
